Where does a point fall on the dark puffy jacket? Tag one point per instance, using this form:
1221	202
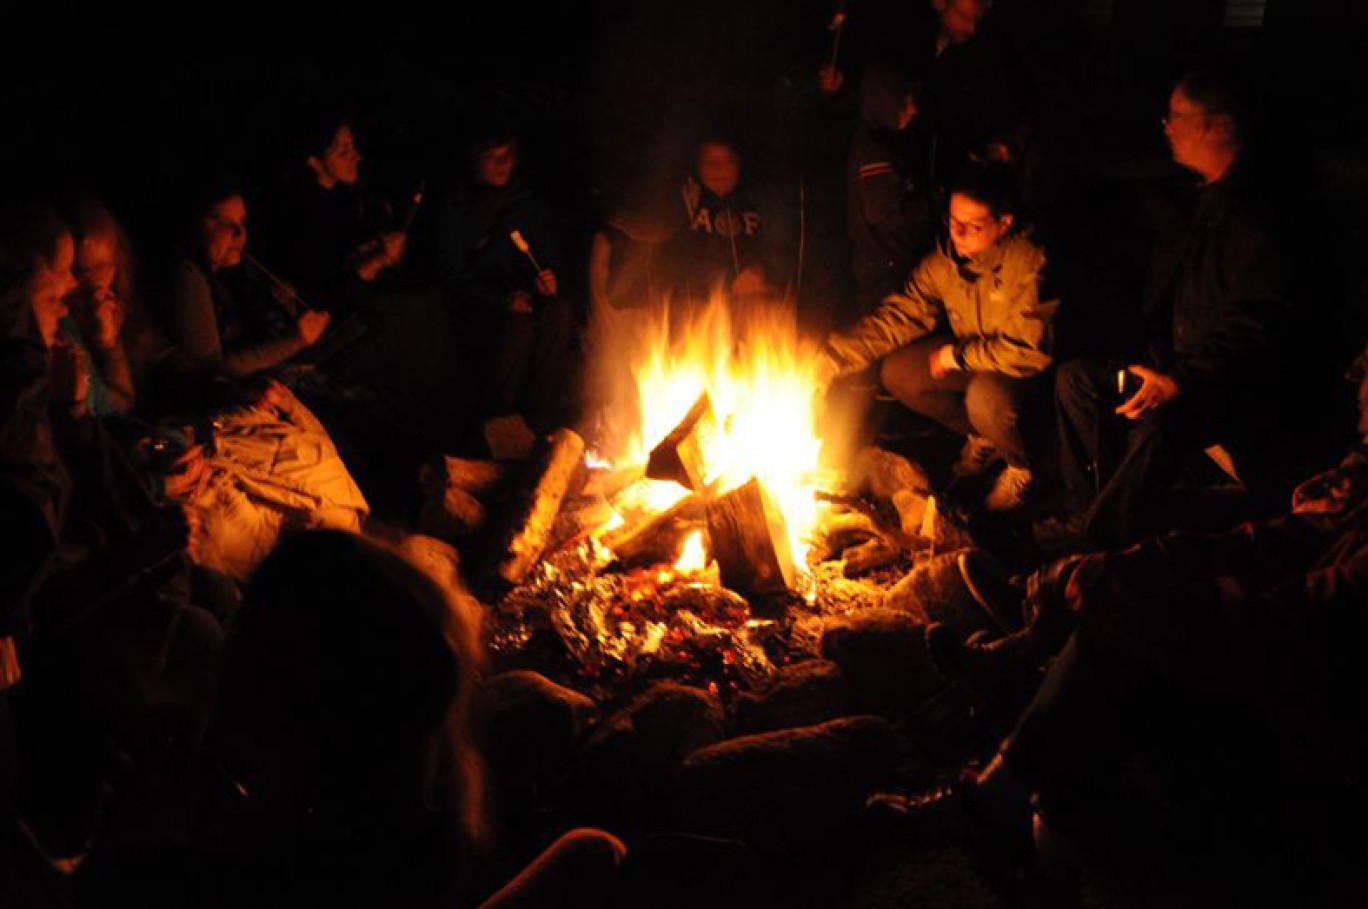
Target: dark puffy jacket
891	216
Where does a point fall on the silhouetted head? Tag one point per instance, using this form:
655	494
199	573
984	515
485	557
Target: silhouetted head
495	159
347	676
1205	124
960	19
36	257
718	165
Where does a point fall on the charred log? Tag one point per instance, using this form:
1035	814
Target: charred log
681	455
659	538
749	540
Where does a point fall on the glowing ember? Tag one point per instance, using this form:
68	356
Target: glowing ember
762	383
694	558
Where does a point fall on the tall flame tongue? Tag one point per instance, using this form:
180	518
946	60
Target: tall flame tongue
762	383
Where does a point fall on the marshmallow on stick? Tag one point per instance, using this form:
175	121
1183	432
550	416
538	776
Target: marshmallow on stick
518	241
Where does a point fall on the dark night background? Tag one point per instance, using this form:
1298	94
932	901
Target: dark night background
134	105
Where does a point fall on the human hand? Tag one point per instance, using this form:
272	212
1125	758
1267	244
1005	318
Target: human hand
70	373
546	282
393	245
108	314
943	362
311	326
9	664
1156	390
829	79
751	281
183	476
520	302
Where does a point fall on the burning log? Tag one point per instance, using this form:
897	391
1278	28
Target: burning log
576	519
612	482
749	540
680	456
561	464
659	538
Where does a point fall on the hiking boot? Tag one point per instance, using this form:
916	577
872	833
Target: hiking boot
1010	489
975	458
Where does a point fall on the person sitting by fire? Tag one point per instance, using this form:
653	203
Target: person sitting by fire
499	260
336	242
722	244
969	332
1225	356
221	315
1234	659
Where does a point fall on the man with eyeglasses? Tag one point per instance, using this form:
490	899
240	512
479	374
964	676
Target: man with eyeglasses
968	332
1220	363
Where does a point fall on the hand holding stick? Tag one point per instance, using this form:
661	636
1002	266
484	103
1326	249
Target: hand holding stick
546	278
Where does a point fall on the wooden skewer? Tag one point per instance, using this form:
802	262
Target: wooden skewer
518	241
289	291
837	26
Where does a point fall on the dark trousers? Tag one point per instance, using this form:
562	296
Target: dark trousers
525	359
1246	709
1119	472
988	404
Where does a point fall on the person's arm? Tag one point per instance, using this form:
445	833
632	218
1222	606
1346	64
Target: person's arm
600	262
196	327
115	373
901	319
1020	342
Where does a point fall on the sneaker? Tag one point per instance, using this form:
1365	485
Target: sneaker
974	459
1010	489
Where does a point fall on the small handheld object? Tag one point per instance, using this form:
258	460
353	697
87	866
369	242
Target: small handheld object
518	241
836	26
1127	384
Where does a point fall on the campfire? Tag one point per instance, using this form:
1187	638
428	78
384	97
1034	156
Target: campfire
703	538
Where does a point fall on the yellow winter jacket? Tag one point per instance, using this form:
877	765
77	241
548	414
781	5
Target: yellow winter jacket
991	304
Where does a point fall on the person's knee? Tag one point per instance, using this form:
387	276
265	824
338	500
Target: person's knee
1075	381
993	403
901	376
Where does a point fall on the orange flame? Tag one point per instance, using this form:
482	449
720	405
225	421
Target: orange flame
763	385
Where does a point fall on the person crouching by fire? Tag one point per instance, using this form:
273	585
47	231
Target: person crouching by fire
970	330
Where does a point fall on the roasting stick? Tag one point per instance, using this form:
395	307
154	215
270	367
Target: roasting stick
836	26
518	241
296	301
